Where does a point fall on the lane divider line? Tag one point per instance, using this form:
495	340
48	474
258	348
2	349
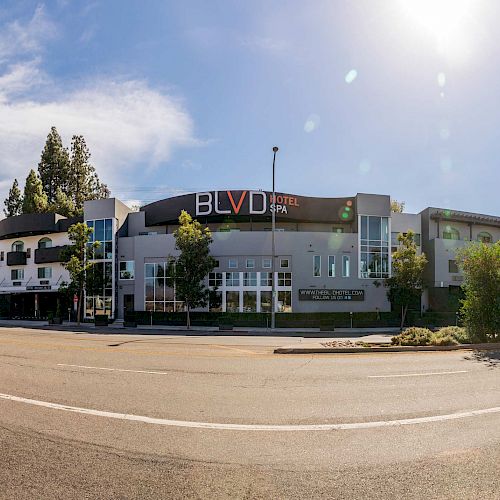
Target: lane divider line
113	369
417	374
251	427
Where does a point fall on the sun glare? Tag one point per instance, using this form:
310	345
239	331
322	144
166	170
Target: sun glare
448	21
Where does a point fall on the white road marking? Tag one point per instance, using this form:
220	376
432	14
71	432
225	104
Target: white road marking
113	369
252	427
417	374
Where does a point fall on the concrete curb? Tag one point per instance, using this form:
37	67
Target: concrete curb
368	350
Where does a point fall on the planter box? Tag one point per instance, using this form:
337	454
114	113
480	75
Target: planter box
226	327
130	324
55	321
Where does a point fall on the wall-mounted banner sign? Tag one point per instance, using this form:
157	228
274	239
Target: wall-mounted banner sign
38	287
255	204
331	294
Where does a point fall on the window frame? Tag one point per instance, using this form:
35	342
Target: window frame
346	258
331	266
318	273
125	270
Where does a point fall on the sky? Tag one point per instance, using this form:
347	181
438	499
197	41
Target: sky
397	97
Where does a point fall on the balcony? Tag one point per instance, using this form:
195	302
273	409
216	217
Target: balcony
48	255
16	258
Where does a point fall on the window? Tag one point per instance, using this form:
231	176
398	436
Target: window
484	237
215	301
215	279
284	263
127	270
18	246
452	266
374	248
232	279
265	301
250	263
346	266
266	279
159	288
233	264
285	279
44	273
249	301
45	243
316	266
284	301
331	266
2	255
249	279
17	274
216	263
266	263
232	301
450	233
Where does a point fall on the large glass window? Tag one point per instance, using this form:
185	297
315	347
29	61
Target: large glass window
250	279
232	301
284	279
215	301
284	301
316	266
265	301
374	248
127	270
159	288
215	280
266	279
249	301
232	279
331	266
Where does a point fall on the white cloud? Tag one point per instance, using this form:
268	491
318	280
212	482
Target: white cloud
125	122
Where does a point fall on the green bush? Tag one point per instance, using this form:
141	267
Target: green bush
413	336
458	333
438	338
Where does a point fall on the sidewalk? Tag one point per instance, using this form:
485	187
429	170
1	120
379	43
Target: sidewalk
200	330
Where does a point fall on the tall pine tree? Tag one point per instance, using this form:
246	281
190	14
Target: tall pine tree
35	199
14	202
53	168
83	181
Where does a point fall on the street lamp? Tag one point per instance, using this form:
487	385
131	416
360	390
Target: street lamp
273	218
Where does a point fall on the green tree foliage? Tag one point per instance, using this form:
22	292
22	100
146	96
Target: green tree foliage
406	283
193	264
13	202
53	168
35	199
77	262
397	206
62	204
480	263
83	181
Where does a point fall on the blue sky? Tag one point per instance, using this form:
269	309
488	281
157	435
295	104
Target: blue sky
360	96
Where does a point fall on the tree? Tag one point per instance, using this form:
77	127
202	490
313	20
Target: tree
62	204
53	168
83	181
397	206
77	260
14	202
193	264
480	263
406	283
35	199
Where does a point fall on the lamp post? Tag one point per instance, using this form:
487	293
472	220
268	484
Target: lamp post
273	219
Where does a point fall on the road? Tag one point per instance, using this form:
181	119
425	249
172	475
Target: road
118	416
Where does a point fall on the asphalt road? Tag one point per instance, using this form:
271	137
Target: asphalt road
134	418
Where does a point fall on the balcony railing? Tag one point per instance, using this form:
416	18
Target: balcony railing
51	254
16	258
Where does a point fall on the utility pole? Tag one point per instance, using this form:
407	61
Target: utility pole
273	218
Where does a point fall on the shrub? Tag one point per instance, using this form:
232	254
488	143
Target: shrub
458	333
438	338
413	336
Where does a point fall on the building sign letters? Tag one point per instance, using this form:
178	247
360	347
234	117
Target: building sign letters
331	294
